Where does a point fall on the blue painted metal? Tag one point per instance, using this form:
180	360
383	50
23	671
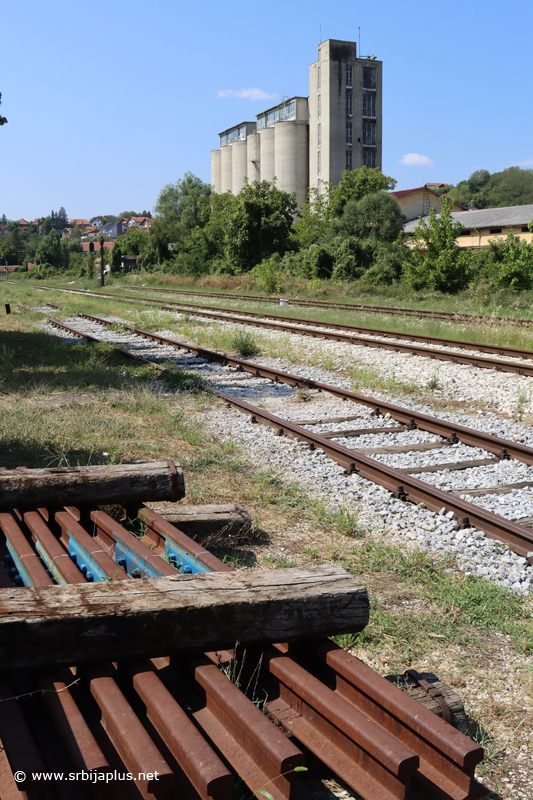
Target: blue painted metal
51	568
181	559
133	563
86	563
22	573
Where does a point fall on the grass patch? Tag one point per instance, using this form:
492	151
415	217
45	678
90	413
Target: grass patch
458	601
245	344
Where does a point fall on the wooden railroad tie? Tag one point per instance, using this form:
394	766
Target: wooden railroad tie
45	626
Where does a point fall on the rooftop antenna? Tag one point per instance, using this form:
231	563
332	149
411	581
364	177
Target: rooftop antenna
359	41
321	34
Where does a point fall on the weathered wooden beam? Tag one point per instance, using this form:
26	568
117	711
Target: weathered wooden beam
200	522
78	624
98	485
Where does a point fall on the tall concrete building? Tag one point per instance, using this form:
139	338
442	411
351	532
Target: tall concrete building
305	142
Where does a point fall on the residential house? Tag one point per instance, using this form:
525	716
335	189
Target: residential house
90	233
483	226
23	224
65	232
3	230
98	222
418	202
142	223
82	224
112	229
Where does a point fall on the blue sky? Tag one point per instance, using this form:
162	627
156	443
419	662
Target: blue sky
108	102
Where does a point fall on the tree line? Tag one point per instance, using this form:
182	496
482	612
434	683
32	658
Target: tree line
352	232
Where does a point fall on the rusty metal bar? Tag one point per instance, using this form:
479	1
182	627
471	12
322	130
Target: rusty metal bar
18	743
258	750
178	547
371	760
24	560
202	767
51	551
448	759
134	556
88	553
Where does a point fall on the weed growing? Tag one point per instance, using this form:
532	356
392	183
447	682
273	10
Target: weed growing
245	344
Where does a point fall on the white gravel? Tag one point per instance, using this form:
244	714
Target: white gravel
378	509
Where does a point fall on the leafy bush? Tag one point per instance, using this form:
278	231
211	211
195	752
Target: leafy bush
267	274
245	344
437	262
316	262
516	271
352	257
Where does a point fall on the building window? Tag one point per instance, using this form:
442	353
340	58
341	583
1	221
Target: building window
369	105
320	55
525	229
319	162
349	162
288	111
349	76
319	106
349	104
319	79
223	140
318	186
369	134
242	133
369	78
349	133
319	134
466	233
495	230
369	158
261	122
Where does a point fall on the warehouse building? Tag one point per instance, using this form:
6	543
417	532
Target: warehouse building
306	142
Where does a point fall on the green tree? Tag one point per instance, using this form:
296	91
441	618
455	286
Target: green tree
185	202
3	120
516	271
510	187
355	184
313	220
436	260
374	216
259	224
49	250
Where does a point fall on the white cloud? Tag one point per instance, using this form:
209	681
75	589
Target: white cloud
248	94
416	160
528	163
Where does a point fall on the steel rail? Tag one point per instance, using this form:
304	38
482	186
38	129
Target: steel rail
453	316
465	344
503	448
401	484
287	324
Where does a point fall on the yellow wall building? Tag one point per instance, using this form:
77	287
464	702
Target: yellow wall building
418	202
487	225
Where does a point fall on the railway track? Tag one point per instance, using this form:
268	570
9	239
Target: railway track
365	461
381	339
450	316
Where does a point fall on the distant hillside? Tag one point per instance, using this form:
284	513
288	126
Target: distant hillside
512	187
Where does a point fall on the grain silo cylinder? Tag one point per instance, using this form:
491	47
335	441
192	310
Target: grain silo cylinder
253	155
239	165
267	154
291	163
226	179
215	171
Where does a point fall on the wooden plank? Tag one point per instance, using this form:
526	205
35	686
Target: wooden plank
98	485
199	522
55	625
527	521
509	487
361	432
454	465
